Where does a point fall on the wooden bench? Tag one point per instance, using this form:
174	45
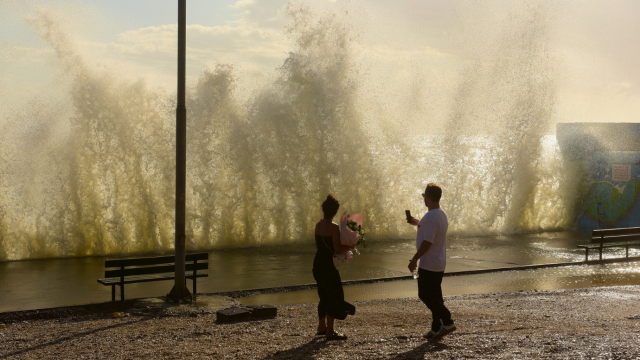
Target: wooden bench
141	270
605	238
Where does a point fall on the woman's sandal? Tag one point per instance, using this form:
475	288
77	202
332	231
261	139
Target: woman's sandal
336	336
321	333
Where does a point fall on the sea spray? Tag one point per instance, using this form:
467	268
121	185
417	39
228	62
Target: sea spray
91	171
509	93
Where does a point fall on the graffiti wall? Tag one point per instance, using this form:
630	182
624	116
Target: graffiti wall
608	158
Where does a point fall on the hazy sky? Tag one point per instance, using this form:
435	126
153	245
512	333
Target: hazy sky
139	36
595	45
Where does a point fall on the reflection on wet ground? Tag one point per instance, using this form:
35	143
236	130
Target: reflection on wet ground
61	282
580	276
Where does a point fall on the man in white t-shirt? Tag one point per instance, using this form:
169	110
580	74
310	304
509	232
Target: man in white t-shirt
431	245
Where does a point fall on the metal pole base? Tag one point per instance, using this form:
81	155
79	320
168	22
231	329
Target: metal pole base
179	298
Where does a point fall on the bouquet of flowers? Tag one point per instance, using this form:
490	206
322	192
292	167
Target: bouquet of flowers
357	228
351	231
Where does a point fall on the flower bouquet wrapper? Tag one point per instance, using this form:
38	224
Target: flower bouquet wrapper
342	258
347	236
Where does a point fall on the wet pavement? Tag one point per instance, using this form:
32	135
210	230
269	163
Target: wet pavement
62	282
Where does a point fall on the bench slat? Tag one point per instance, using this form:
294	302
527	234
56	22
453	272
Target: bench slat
153	260
616	238
196	256
607	245
146	278
153	270
614	232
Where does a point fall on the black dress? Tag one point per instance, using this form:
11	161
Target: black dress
329	283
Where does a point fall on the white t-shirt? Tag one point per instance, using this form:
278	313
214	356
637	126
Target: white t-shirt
433	228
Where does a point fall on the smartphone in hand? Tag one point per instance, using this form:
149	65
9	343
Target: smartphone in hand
409	217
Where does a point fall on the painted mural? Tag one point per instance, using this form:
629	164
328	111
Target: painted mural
606	203
609	153
612	197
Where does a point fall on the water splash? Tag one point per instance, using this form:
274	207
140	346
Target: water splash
91	172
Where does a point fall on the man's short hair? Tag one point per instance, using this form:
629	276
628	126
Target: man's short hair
434	192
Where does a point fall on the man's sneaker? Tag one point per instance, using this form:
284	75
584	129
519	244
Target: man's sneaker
430	334
444	330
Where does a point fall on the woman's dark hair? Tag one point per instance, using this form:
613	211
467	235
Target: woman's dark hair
330	206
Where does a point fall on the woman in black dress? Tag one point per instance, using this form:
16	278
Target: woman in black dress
332	305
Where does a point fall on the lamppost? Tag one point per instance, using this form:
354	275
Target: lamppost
180	291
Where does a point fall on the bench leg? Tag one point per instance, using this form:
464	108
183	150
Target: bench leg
627	250
195	277
122	284
586	257
113	292
600	253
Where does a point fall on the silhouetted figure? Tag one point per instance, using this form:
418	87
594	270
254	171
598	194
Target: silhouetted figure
431	244
332	305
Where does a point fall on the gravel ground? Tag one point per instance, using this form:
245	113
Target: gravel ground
594	323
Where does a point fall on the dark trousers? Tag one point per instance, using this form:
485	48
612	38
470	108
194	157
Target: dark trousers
430	292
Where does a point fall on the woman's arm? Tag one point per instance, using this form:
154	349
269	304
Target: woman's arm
337	245
314	236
